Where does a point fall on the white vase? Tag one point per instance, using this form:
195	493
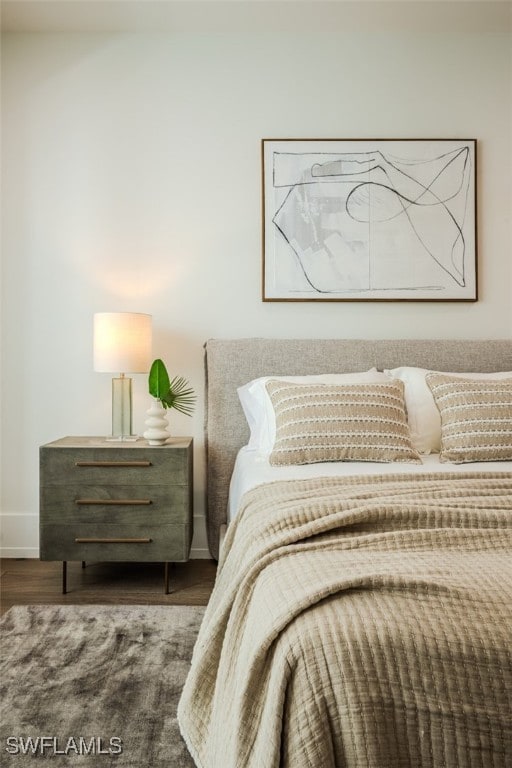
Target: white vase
156	424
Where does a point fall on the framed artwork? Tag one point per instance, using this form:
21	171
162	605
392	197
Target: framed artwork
369	220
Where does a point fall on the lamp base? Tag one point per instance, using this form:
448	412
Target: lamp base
122	409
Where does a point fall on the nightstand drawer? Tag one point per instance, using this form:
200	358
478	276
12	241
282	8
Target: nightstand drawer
105	541
119	504
111	466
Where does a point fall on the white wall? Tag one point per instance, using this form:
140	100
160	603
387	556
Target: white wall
131	177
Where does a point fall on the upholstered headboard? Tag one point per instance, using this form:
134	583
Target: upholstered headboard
231	363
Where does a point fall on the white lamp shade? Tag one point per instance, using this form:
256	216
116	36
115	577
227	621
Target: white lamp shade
122	342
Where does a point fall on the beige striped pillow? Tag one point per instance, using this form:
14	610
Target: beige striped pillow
350	422
476	418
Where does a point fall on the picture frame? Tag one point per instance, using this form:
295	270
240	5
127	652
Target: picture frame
369	220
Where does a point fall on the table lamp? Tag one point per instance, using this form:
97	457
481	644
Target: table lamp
122	344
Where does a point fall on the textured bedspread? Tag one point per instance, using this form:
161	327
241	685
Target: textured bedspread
359	623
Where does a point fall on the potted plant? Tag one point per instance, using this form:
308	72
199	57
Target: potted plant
167	393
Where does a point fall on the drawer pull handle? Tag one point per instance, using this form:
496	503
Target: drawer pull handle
112	463
113	541
113	502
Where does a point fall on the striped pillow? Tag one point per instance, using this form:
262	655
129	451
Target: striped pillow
476	418
350	422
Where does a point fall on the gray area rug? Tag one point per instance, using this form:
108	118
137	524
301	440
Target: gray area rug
99	685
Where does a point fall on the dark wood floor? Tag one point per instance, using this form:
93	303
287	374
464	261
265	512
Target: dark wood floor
32	582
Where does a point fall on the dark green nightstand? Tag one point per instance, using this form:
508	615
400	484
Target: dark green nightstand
116	501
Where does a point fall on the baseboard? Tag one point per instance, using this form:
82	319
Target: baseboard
19	534
200	553
20	553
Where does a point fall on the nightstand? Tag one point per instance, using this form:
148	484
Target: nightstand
115	501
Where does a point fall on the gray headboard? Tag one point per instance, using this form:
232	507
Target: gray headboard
231	363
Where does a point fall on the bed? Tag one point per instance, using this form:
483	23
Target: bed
362	613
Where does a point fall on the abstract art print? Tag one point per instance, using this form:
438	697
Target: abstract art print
359	220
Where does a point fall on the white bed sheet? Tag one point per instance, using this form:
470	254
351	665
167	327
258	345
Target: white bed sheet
252	468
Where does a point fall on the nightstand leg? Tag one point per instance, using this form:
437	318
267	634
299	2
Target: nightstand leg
64	576
83	563
166	577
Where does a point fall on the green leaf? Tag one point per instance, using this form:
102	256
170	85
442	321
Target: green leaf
180	396
159	383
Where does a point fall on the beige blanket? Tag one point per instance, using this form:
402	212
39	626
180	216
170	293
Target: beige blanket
359	623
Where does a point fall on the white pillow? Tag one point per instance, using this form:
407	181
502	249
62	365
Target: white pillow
258	409
422	413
